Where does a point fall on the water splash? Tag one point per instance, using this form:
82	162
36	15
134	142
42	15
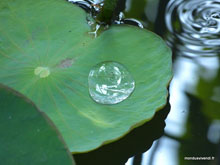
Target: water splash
110	83
195	26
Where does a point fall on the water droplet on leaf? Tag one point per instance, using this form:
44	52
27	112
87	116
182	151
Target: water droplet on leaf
110	83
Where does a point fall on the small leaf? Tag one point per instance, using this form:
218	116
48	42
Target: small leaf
27	136
44	34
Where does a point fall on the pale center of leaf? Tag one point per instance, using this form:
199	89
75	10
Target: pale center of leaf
42	72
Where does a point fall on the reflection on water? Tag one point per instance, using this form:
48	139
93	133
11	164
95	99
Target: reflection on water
195	25
193	125
135	143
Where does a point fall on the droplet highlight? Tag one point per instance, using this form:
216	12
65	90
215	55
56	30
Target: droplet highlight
42	72
110	83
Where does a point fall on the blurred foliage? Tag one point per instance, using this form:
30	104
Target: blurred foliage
143	10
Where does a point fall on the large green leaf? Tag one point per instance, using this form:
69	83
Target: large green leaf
46	53
27	136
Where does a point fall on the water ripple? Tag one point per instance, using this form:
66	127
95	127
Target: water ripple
194	26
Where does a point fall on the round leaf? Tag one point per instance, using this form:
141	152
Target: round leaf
27	136
47	52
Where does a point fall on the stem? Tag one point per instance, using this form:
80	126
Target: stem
107	12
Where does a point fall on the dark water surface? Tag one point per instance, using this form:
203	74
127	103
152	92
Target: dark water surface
190	129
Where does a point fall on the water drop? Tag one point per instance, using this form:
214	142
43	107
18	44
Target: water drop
130	21
92	6
110	83
86	5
